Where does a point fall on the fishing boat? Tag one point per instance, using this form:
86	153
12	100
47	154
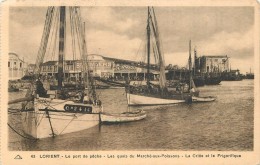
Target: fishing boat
48	113
122	117
159	94
150	93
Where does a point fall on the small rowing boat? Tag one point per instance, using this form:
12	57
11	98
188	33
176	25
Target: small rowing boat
122	117
203	99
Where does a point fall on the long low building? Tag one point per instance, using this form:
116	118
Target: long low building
99	66
72	68
119	69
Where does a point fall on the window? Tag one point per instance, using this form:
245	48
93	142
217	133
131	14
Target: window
8	64
21	64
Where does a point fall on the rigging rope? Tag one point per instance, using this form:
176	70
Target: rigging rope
57	19
52	34
81	34
74	117
44	41
20	133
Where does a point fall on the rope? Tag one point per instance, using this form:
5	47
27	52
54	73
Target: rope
56	20
20	134
37	124
68	124
44	41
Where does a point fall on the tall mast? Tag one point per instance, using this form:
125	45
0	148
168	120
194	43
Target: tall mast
148	48
190	64
61	45
85	60
195	63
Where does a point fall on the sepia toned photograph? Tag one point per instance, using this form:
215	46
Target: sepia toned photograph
131	78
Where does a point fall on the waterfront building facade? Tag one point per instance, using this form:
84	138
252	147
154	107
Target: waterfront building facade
16	66
98	66
209	64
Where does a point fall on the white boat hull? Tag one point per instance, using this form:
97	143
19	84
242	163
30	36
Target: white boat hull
49	118
119	118
133	99
202	99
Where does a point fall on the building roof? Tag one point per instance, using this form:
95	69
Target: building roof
14	54
95	57
49	63
215	56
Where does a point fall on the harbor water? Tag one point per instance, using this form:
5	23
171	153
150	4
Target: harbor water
226	124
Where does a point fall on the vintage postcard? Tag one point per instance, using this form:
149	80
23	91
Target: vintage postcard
130	82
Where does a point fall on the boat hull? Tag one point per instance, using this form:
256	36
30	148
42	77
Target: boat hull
134	99
51	119
123	117
212	80
202	99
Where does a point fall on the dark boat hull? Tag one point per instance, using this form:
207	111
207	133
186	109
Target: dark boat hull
199	82
212	80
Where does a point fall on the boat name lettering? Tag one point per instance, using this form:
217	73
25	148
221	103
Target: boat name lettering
77	108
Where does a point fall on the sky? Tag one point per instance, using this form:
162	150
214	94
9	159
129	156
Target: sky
119	32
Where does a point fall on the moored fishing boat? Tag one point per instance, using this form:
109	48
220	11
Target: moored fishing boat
153	94
48	113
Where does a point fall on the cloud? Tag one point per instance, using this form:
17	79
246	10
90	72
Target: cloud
243	65
111	44
238	46
227	43
26	42
177	58
105	18
118	31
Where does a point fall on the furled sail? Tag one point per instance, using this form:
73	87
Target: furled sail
157	47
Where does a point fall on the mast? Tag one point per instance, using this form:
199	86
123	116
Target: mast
195	64
190	73
61	45
85	61
148	48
